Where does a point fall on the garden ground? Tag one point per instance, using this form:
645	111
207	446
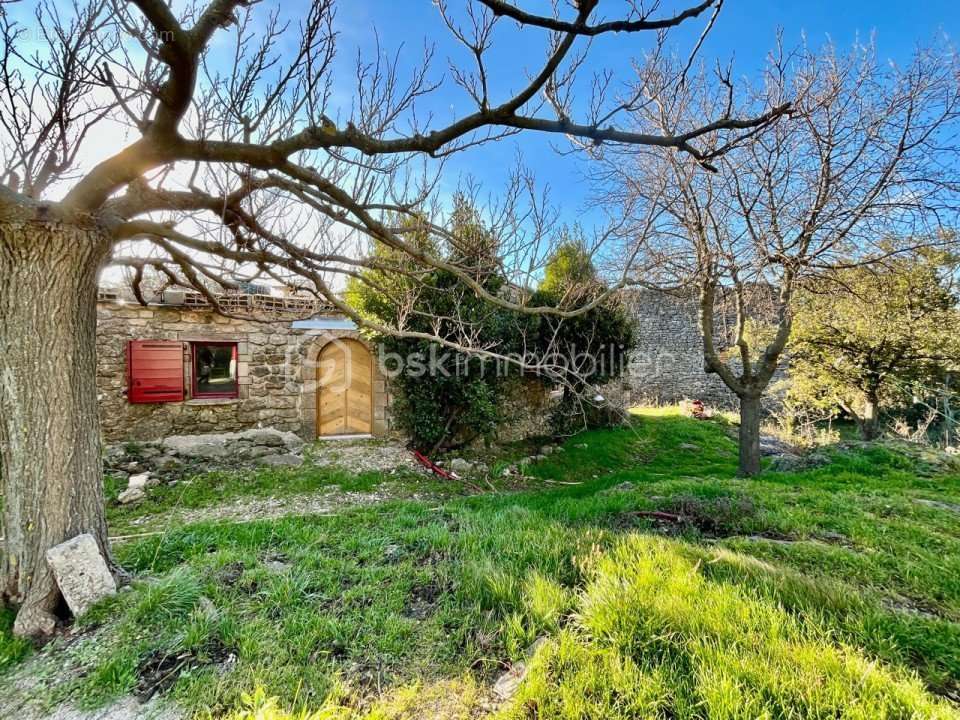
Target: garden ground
632	574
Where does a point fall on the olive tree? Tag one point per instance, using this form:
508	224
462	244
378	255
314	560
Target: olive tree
873	336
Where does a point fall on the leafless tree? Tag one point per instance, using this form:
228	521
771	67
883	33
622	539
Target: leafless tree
130	137
868	151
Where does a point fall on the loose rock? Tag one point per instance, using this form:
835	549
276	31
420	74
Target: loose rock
131	496
460	465
81	572
622	487
138	481
284	460
507	684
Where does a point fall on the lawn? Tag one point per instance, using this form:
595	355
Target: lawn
833	592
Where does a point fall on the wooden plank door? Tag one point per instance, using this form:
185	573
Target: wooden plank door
345	384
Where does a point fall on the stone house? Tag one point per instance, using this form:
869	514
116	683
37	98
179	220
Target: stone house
176	367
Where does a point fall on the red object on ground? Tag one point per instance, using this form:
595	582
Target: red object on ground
154	371
698	410
433	467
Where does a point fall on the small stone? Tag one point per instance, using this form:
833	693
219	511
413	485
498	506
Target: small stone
166	463
536	645
81	573
276	566
391	551
461	465
688	446
149	451
210	451
770	445
939	504
207	607
283	460
547	450
138	481
264	437
131	496
507	684
622	487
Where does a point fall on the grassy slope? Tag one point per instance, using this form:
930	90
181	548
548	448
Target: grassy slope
777	600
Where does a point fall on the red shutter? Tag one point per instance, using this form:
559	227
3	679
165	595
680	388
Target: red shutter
154	371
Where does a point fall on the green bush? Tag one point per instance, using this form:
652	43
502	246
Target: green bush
446	398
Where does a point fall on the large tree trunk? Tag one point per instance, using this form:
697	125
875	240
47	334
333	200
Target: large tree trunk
870	417
49	426
749	436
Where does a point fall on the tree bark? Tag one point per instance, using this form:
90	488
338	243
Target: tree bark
870	417
749	436
50	458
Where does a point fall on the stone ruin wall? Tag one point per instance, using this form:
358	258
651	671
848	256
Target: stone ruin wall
666	364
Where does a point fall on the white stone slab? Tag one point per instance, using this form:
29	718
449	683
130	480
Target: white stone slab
81	572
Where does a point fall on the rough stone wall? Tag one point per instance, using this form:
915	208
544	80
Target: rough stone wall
526	410
666	364
276	368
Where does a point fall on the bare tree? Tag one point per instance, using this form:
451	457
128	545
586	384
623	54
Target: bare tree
867	151
238	162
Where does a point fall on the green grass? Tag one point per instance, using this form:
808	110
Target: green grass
12	649
827	593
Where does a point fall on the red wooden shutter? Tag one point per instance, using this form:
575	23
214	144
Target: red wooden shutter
154	371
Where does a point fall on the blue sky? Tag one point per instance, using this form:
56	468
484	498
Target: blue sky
745	32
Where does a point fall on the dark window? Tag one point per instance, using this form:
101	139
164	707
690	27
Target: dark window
214	369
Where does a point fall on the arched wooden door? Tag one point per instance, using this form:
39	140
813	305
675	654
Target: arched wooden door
345	388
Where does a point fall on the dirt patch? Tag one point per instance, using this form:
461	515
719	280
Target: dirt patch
230	574
27	690
323	502
126	709
716	517
361	456
159	670
423	600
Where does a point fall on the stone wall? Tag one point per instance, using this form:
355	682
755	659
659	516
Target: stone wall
666	364
276	368
277	371
527	406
